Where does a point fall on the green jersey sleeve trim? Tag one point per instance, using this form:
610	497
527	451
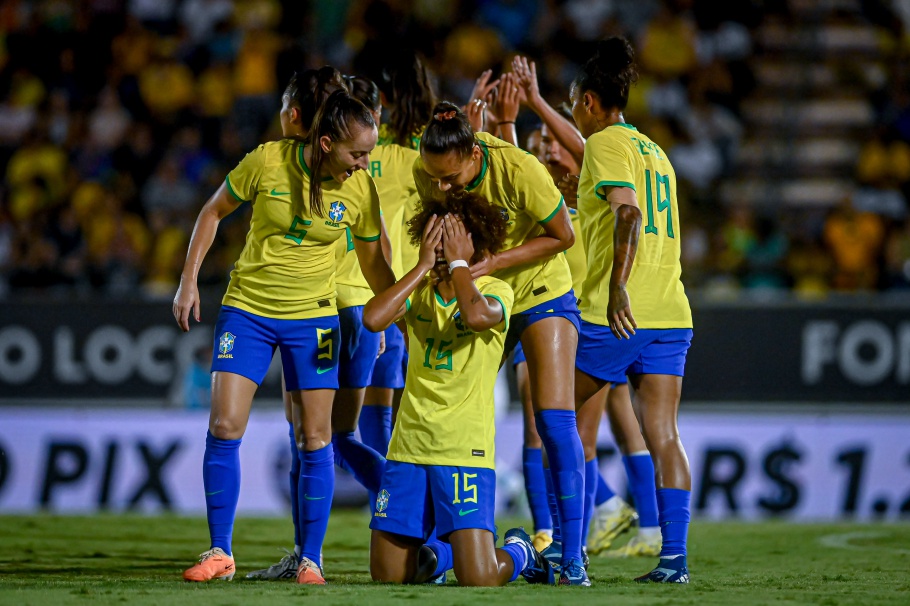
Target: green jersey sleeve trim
369	239
227	181
505	311
555	211
407	305
611	184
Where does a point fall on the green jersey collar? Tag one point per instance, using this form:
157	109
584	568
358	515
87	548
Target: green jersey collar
485	163
306	169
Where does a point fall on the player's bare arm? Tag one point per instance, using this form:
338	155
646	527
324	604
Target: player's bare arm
558	236
389	305
220	205
477	312
625	244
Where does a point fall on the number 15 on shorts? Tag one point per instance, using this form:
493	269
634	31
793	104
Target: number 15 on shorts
467	488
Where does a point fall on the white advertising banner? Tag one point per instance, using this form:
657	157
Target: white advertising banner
796	466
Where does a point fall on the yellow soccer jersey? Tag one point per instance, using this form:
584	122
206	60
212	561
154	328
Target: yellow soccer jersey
387	137
446	413
287	267
521	187
576	256
390	167
621	156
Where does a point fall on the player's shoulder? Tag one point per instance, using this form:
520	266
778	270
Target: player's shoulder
490	285
277	152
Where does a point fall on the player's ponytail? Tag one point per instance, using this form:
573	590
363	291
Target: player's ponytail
448	130
334	119
610	73
308	90
405	81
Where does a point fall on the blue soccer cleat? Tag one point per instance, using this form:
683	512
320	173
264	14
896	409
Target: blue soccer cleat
670	569
574	574
553	555
537	570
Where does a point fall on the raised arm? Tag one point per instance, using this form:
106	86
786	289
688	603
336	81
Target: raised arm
477	311
220	205
390	304
564	130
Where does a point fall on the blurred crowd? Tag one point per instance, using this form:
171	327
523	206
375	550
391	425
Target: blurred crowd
118	118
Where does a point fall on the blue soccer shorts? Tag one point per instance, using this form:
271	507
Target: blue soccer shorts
562	307
648	352
414	498
388	372
245	343
359	348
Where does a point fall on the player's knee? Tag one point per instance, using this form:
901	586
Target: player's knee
590	451
477	573
312	439
225	428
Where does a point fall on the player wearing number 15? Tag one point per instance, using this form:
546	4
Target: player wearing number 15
305	196
440	469
631	230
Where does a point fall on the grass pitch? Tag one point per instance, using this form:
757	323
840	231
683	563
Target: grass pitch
114	559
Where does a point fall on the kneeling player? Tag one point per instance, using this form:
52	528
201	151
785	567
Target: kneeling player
440	462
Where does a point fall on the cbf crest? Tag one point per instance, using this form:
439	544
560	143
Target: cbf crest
336	211
382	502
226	345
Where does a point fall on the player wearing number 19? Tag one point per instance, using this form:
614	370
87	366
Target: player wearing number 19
305	195
633	265
440	469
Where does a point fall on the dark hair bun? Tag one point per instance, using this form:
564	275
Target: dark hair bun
614	55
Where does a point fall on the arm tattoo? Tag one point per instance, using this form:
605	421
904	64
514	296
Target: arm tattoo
625	242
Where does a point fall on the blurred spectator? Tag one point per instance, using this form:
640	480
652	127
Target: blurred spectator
855	241
168	190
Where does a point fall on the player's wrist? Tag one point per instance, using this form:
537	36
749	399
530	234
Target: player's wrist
456	263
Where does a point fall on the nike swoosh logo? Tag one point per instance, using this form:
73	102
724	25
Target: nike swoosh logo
462	512
208	494
563	497
309	498
422	319
322	371
279	193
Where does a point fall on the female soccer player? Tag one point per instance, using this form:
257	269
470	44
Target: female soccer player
630	263
282	294
405	89
440	470
454	158
560	147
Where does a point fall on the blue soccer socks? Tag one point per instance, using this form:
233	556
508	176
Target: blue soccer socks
294	482
221	482
673	505
316	487
364	463
591	475
536	488
603	493
559	432
376	427
640	470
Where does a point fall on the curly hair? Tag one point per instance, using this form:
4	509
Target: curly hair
486	223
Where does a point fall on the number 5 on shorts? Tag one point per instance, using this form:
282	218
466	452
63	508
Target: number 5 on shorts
467	488
324	342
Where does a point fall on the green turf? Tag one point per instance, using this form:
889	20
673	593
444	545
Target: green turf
115	559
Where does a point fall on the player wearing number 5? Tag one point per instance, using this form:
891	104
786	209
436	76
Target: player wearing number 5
440	468
305	195
635	315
